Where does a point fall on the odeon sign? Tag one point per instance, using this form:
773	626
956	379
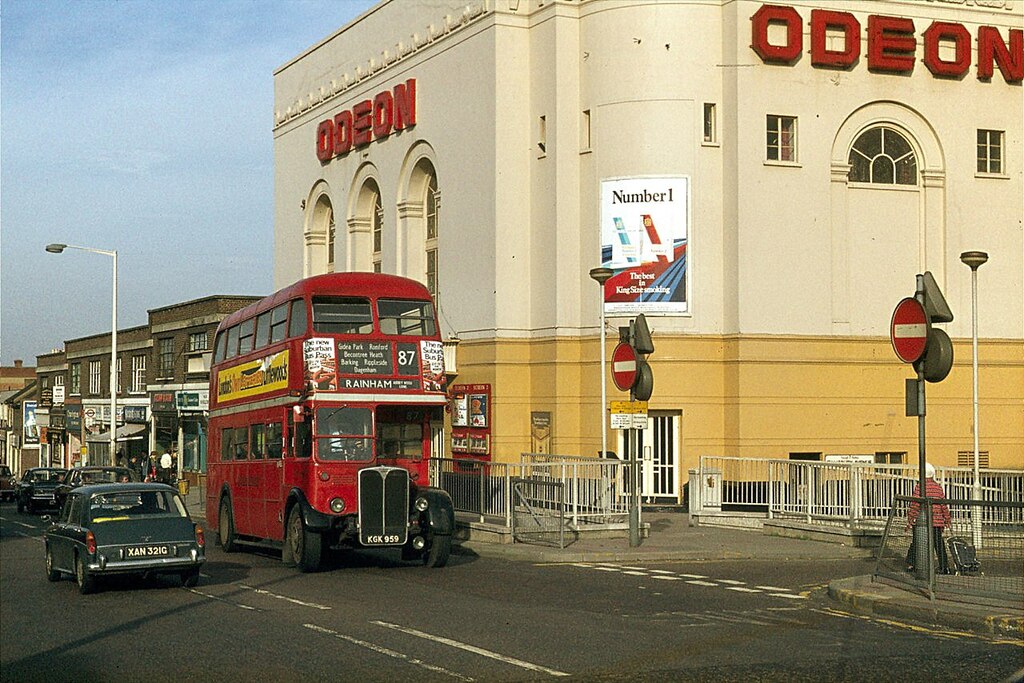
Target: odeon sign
389	111
891	44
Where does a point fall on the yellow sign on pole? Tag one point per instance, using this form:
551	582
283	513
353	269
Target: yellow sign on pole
629	414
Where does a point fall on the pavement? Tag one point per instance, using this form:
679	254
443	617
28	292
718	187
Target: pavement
669	537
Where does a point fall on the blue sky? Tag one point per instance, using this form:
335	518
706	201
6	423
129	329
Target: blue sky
143	126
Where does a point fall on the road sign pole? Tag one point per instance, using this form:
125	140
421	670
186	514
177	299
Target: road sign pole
922	537
634	484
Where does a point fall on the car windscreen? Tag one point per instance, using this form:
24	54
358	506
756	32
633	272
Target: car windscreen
127	505
45	475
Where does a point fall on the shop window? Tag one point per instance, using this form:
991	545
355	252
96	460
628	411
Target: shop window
781	138
990	152
882	156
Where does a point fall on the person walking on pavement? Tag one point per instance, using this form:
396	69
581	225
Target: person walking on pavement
940	519
165	467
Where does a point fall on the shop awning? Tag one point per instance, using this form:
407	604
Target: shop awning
128	432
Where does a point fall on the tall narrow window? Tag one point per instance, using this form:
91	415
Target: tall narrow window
94	377
165	357
542	136
138	383
118	374
585	131
990	151
378	231
433	208
882	156
76	379
781	138
710	123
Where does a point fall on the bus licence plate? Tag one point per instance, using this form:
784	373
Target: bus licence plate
147	551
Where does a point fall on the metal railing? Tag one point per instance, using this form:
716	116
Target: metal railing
998	571
590	491
855	494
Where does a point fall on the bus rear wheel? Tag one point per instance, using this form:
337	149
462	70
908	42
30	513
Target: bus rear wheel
226	527
303	545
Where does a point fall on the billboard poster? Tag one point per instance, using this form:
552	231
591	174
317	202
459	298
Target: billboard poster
645	225
31	427
253	378
321	364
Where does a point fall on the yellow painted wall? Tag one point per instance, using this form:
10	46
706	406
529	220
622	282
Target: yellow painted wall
757	396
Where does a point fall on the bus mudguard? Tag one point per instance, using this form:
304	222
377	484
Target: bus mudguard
313	518
440	513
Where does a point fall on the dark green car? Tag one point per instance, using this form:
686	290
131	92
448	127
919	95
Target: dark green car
117	529
36	488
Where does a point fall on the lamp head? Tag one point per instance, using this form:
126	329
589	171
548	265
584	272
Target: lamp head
55	248
601	275
974	259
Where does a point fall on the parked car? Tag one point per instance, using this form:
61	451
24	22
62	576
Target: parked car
36	488
7	482
114	529
91	474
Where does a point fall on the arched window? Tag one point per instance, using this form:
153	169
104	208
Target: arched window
882	156
378	231
331	234
432	204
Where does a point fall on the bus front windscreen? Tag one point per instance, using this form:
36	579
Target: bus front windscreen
344	433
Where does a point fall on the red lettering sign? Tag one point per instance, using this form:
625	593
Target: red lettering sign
1010	58
774	14
821	22
387	112
891	44
941	31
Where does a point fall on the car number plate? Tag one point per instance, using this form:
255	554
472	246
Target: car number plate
147	551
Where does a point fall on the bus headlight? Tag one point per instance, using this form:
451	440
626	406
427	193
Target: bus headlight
337	504
422	504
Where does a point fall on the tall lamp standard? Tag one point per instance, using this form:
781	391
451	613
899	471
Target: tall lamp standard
602	275
974	260
58	248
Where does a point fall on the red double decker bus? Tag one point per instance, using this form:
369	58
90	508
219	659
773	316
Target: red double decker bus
322	401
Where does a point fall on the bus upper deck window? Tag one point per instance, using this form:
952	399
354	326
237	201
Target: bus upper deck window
337	315
408	317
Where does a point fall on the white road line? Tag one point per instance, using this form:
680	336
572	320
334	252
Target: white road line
692	576
220	599
732	582
27	526
283	597
34	538
703	583
380	649
741	589
630	572
472	648
607	569
667	578
791	596
772	588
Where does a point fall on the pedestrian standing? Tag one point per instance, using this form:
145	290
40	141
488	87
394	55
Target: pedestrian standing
940	519
165	467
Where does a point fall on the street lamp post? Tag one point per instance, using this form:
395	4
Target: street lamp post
974	260
58	248
602	275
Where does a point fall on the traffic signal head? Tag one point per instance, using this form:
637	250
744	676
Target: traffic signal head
641	341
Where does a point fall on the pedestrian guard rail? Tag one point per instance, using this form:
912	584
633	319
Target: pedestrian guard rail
857	495
587	491
993	531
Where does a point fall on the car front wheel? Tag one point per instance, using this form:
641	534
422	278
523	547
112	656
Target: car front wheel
86	581
51	573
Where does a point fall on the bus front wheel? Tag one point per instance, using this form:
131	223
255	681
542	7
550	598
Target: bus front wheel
438	552
303	545
226	527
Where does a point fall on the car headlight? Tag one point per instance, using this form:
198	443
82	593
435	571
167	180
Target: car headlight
422	504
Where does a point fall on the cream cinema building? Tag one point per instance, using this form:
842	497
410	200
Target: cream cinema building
765	181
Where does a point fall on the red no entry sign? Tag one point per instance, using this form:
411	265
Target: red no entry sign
624	366
909	330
